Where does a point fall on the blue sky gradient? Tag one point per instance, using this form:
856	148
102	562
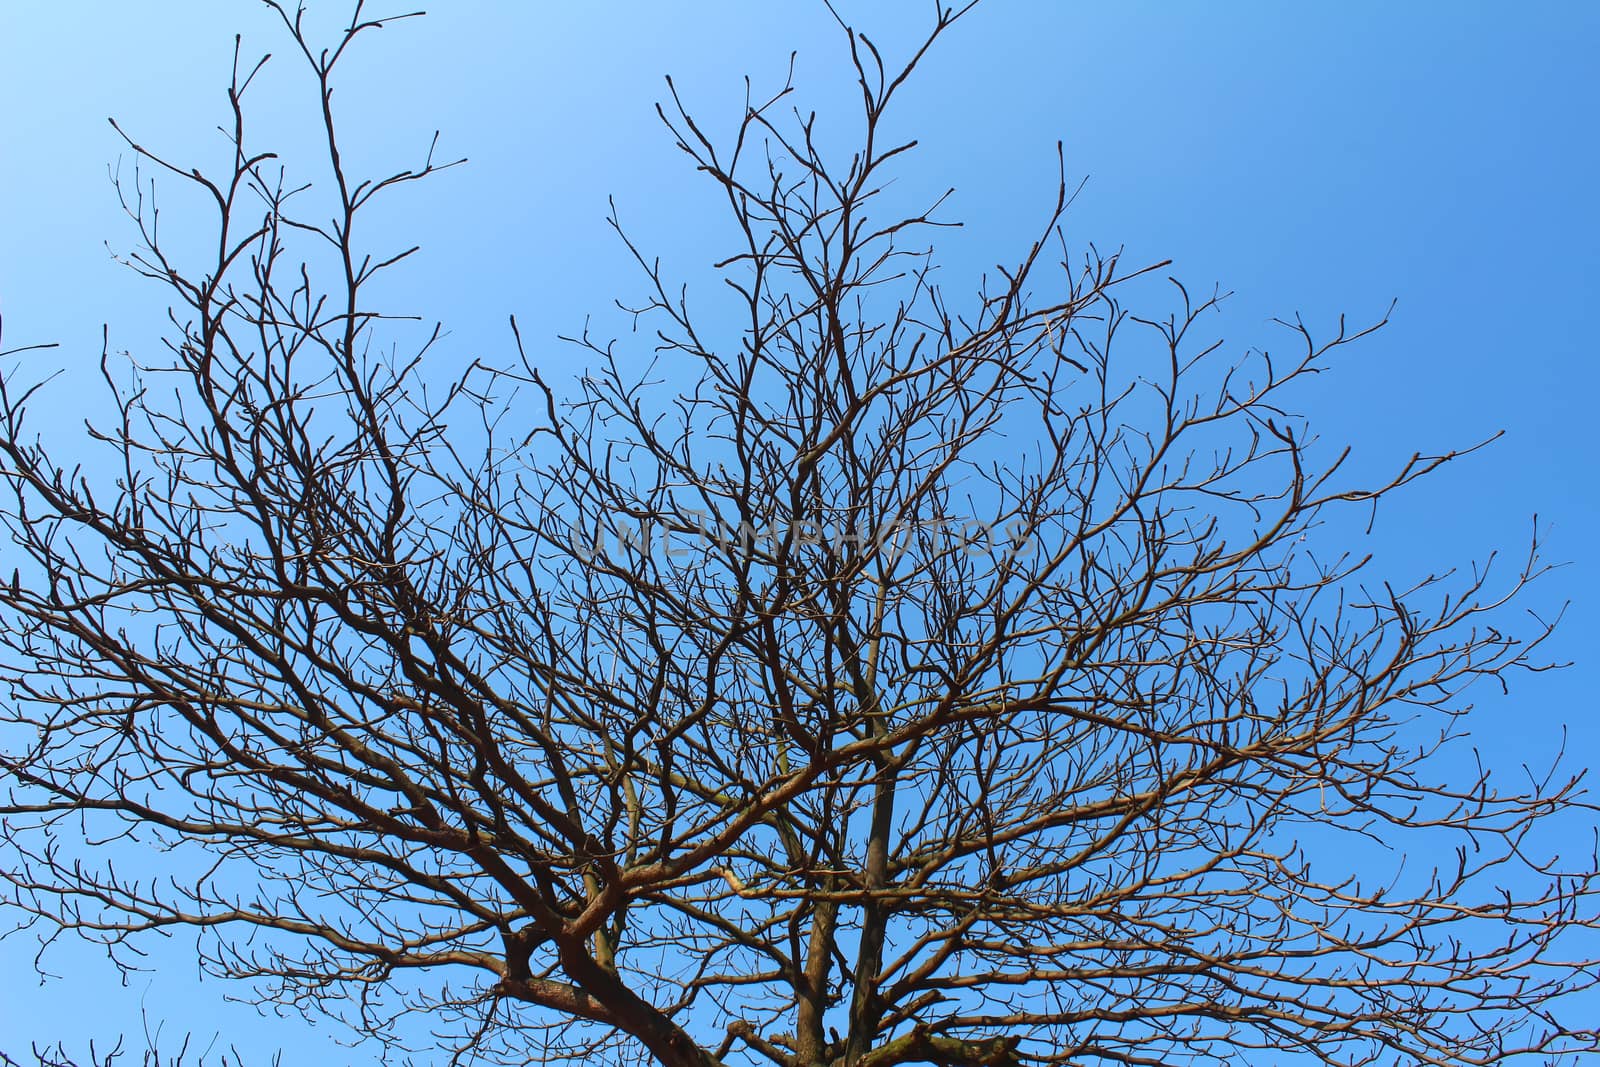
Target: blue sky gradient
1315	159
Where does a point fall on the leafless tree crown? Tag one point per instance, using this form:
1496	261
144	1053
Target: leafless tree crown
890	675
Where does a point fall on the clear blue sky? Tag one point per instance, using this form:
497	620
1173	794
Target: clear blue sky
1319	158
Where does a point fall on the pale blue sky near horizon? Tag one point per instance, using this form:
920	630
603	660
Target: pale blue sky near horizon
1317	159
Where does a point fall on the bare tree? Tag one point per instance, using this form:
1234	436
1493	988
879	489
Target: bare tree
881	676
